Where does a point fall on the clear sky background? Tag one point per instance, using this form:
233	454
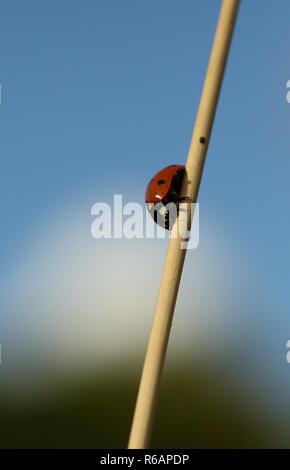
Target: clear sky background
96	97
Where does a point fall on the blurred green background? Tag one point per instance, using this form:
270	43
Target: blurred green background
194	411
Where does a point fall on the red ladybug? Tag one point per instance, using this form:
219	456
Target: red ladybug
164	190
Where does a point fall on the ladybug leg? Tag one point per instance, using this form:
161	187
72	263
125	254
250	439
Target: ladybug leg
165	216
166	220
183	198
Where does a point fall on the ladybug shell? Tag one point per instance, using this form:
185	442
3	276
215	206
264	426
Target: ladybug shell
165	185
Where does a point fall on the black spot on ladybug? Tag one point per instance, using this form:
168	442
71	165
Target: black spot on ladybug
202	140
161	182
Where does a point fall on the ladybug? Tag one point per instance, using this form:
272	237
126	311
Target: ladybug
164	190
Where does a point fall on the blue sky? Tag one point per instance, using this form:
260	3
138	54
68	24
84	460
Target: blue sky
104	93
99	95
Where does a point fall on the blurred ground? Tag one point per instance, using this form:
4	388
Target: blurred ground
195	411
